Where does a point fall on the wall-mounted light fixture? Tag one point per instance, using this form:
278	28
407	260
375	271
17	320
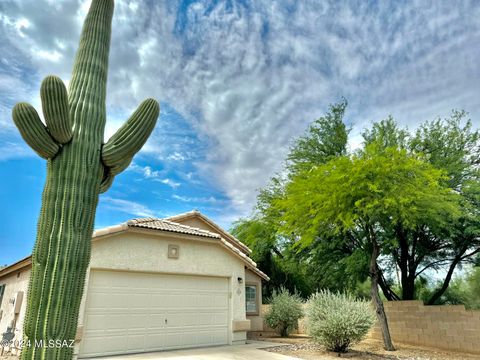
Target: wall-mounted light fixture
240	280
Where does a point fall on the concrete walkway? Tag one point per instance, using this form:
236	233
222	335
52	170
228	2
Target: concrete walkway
250	351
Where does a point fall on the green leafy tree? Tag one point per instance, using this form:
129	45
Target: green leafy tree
463	290
357	196
386	134
273	257
452	146
473	283
324	139
287	266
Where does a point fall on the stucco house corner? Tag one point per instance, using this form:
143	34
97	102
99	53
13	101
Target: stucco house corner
155	284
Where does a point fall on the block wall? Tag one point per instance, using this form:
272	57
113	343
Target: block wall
447	327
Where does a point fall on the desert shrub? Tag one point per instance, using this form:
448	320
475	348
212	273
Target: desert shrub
337	320
285	311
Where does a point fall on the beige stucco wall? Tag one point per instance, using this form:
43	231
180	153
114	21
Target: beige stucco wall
256	321
16	281
197	223
147	252
136	251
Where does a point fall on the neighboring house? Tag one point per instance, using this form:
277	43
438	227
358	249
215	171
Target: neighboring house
155	284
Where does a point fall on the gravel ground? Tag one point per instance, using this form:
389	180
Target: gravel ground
302	348
8	357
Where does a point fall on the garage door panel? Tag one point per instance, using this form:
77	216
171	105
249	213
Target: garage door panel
156	320
155	341
136	343
106	344
221	301
203	319
126	312
137	321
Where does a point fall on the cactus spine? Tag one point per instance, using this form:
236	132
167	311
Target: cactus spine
79	168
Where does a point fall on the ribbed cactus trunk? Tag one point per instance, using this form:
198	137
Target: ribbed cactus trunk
79	168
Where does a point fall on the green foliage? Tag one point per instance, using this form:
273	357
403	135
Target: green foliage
273	250
250	230
386	134
272	256
473	284
463	290
378	187
419	191
338	321
335	263
285	311
324	139
449	145
362	290
79	168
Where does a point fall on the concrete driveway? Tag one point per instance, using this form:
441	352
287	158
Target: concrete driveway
250	351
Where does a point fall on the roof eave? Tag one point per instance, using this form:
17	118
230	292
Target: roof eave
20	264
196	213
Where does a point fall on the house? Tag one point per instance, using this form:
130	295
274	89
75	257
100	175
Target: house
154	284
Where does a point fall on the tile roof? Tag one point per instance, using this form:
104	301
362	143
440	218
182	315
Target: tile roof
166	225
229	237
163	225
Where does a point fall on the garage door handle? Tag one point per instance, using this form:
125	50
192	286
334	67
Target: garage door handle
166	321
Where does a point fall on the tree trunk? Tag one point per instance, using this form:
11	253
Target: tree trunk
439	292
407	281
386	289
380	311
408	287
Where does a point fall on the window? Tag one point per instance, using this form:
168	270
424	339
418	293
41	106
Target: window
2	291
251	299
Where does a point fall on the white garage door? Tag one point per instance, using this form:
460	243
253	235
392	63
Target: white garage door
130	312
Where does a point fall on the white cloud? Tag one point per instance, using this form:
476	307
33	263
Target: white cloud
249	78
53	56
149	173
188	199
177	156
173	184
11	150
155	175
127	206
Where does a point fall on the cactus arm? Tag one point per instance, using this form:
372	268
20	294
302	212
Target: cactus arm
33	131
117	169
106	183
128	140
55	109
112	172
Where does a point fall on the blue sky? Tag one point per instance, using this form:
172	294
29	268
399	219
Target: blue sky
237	81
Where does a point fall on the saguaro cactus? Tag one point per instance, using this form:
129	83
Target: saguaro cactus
80	167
